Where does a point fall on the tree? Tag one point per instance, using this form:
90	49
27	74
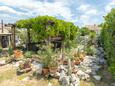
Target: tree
43	27
108	39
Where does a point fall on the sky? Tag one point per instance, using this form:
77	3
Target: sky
80	12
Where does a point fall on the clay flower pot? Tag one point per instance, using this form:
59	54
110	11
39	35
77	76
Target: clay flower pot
65	62
76	62
53	70
81	59
45	70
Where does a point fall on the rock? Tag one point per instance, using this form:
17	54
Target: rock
97	77
96	67
37	67
83	75
64	81
57	74
63	67
26	79
88	71
75	81
112	84
62	74
50	84
2	62
102	61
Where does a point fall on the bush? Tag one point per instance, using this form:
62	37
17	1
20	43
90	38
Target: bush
10	51
108	40
28	54
90	50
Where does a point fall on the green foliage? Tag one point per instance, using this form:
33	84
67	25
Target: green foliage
48	56
108	39
84	31
10	51
0	50
90	50
43	27
28	54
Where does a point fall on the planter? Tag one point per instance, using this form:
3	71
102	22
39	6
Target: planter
53	70
19	72
45	71
65	62
76	62
81	59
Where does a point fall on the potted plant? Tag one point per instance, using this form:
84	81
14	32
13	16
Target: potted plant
53	64
46	58
28	54
76	57
24	66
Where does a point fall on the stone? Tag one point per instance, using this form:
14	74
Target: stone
50	84
88	71
57	74
63	67
97	77
64	81
83	75
62	74
37	67
112	84
102	61
26	79
96	67
75	81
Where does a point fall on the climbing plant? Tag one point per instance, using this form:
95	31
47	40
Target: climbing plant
42	27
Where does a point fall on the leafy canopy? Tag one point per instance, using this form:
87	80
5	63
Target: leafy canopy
42	27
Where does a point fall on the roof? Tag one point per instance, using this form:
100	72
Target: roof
6	30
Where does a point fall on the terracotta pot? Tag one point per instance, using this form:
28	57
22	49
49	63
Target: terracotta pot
53	70
76	62
81	59
45	70
65	62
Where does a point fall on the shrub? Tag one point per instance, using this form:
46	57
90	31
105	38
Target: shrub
90	50
10	51
28	54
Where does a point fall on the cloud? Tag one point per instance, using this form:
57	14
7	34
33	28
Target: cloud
7	9
35	8
109	6
83	7
87	14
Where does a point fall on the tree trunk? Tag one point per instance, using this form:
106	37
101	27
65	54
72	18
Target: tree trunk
29	39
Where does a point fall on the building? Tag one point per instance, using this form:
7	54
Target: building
94	27
7	35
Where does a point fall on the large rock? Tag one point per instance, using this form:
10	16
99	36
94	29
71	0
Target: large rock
82	75
64	81
97	77
37	67
75	81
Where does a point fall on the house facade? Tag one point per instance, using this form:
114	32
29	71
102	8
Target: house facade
7	35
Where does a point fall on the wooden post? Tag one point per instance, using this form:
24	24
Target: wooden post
29	39
13	37
2	26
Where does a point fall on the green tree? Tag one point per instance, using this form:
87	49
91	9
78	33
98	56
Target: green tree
108	39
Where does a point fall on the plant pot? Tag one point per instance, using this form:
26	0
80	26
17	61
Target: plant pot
65	62
53	70
45	70
81	59
76	62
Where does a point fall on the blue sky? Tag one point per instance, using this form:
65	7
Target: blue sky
80	12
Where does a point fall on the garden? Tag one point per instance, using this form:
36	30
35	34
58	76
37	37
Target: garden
54	52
